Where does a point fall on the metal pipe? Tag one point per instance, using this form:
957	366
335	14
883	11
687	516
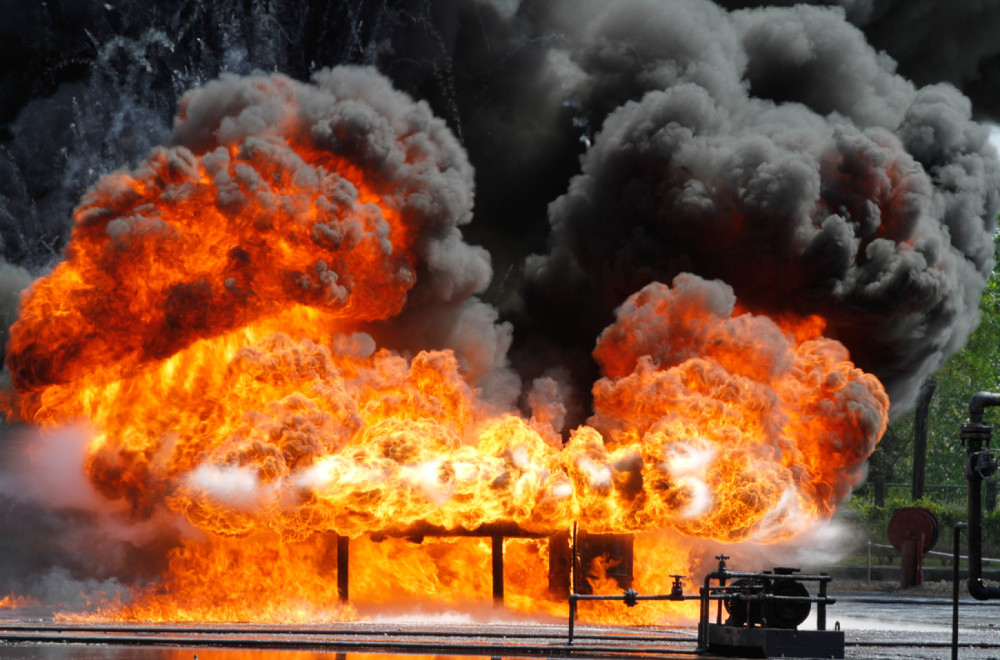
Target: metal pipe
640	597
868	580
343	567
979	463
954	590
978	404
574	569
821	606
703	617
705	594
978	589
631	598
497	552
572	618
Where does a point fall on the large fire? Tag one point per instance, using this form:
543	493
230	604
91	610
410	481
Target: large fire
208	323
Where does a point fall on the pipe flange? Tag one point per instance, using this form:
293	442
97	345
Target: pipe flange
975	432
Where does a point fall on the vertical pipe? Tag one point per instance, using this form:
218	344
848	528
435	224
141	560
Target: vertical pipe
572	616
574	567
821	607
722	576
703	615
497	570
954	591
974	496
868	580
343	558
978	464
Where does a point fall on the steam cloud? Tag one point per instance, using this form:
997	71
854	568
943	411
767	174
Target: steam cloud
771	148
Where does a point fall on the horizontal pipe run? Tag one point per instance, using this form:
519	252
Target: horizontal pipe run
797	577
622	598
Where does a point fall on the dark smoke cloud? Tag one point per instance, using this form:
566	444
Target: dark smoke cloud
931	41
791	162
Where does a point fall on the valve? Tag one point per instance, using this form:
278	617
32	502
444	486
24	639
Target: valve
722	561
677	589
982	463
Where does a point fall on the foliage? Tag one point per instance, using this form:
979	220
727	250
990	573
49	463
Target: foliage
876	520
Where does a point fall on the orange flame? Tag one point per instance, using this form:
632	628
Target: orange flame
16	602
205	323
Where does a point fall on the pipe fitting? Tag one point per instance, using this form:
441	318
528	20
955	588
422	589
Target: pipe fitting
978	404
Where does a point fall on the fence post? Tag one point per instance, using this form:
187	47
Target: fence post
991	494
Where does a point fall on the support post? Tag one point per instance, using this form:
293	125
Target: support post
912	552
920	436
821	606
954	590
497	570
572	617
574	581
343	559
868	579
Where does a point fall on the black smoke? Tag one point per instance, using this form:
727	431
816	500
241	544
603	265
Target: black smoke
930	41
775	150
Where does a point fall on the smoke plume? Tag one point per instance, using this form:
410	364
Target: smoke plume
800	169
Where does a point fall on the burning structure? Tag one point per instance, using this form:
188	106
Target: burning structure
277	335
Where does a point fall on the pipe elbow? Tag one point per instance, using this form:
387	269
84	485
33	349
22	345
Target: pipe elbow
979	403
980	591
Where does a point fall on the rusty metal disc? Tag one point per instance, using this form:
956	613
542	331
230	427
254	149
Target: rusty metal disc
909	522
